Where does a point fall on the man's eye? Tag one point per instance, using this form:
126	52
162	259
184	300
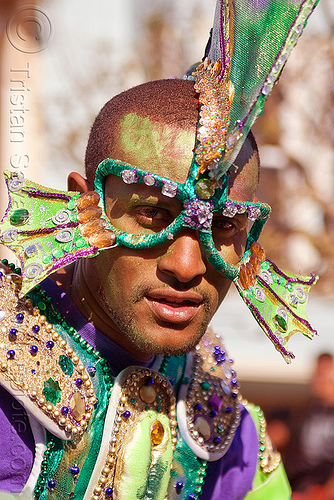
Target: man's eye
222	223
154	217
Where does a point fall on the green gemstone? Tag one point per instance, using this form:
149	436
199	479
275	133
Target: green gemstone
76	337
19	217
80	243
158	408
41	306
205	386
281	323
133	401
158	398
185	380
52	391
66	365
47	259
71	204
205	188
262	448
58	254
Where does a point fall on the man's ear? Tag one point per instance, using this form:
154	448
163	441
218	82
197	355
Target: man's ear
76	182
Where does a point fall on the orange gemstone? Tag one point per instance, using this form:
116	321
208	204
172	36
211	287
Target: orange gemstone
243	277
157	433
93	226
88	213
251	274
88	198
255	261
102	239
257	249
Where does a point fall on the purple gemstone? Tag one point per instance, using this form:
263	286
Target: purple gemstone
74	470
197	407
11	354
126	414
91	370
33	350
33	371
149	381
12	334
228	409
51	484
50	344
215	402
217	440
36	328
179	486
213	413
19	317
108	491
78	382
64	410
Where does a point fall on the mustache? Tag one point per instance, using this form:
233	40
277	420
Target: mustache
144	289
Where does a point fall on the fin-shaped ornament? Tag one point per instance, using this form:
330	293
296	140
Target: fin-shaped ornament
248	48
276	299
49	229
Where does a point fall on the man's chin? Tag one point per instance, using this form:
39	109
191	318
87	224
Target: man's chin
172	342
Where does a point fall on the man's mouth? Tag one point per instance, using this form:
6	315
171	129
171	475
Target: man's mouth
174	307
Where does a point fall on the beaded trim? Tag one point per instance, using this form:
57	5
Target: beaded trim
269	459
208	408
39	367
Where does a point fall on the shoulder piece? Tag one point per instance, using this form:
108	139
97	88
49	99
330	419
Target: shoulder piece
208	407
39	368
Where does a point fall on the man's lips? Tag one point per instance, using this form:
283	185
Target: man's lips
172	306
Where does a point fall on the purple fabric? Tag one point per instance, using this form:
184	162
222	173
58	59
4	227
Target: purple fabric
16	444
231	478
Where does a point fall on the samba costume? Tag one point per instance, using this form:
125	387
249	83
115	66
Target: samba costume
134	434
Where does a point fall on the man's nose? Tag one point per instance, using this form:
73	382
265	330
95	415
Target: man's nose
183	259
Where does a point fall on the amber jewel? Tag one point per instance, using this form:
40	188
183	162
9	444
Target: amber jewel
102	239
157	433
93	226
77	405
88	198
89	213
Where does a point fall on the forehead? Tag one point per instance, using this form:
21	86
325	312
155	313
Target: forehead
162	148
167	149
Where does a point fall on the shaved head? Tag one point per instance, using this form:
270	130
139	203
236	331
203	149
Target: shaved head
153	127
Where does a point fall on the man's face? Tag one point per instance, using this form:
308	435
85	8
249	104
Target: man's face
160	300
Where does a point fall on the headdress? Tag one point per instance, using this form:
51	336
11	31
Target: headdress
248	47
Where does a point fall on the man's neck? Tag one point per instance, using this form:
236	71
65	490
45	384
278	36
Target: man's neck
72	280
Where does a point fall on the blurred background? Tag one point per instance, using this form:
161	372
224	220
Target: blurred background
61	61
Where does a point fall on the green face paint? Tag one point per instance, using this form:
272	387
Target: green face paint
158	147
202	212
